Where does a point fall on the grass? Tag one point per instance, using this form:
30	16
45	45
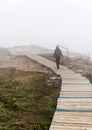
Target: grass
27	101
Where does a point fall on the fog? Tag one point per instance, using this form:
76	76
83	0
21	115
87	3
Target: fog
47	23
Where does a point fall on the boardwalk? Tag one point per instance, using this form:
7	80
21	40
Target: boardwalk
74	104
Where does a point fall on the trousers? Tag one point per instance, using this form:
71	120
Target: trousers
57	62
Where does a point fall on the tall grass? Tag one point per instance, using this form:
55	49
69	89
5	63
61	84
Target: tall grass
27	102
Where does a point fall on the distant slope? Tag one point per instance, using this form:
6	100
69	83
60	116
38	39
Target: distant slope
32	49
4	54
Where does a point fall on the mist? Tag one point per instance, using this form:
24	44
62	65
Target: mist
47	23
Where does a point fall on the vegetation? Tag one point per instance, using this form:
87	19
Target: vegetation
27	100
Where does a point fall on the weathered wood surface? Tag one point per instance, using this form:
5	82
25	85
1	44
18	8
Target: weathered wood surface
75	80
75	103
74	106
72	121
76	87
76	94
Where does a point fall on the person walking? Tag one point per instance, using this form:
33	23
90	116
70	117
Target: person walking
57	55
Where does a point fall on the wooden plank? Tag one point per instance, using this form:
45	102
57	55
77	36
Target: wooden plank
75	94
71	121
75	99
75	81
77	84
57	127
70	75
76	87
74	77
74	103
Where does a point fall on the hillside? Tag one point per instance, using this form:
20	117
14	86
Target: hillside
31	49
29	90
4	54
28	93
77	62
21	62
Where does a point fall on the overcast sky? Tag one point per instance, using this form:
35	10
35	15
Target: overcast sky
47	23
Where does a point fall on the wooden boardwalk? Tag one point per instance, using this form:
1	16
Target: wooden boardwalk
74	104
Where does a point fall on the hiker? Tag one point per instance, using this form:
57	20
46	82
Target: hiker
57	55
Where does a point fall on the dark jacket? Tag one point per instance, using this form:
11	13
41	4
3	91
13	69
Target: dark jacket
57	53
